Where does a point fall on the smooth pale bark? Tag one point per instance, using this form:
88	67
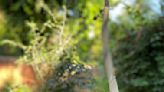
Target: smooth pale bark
113	87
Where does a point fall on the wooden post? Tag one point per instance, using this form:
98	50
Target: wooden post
113	87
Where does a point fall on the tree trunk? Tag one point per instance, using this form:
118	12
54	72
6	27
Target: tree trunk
113	87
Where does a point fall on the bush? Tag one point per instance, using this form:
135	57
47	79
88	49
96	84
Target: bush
140	61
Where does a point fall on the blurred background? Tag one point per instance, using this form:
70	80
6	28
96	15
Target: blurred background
67	35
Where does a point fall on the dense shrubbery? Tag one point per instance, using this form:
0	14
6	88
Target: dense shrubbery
41	37
139	59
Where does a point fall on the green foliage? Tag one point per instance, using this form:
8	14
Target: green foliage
45	46
33	29
140	60
16	88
